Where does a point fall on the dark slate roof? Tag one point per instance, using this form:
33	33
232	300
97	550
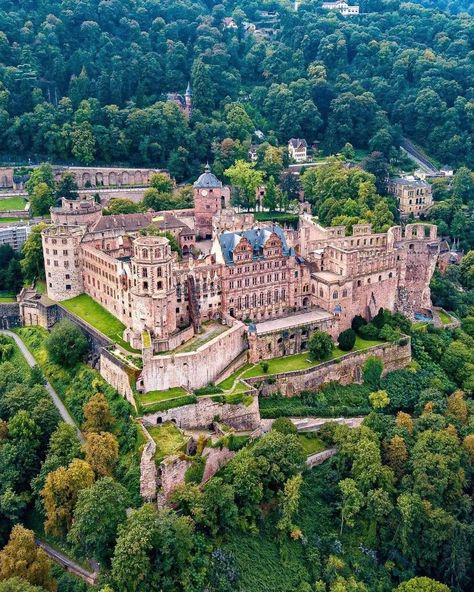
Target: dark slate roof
207	179
134	222
298	143
257	237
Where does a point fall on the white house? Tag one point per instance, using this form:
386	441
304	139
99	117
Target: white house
342	7
298	149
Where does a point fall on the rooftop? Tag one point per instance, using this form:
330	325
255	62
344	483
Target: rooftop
295	320
207	179
257	237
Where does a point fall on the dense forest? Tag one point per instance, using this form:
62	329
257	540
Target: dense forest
87	81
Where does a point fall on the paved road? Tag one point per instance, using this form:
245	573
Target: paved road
418	157
54	395
88	576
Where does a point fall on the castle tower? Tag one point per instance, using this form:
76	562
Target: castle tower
62	262
188	100
153	288
210	197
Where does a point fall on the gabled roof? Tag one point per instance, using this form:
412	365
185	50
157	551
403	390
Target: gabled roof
297	143
257	237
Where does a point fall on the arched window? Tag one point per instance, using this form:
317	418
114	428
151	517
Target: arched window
145	253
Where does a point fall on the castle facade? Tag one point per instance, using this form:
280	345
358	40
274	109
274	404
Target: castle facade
272	287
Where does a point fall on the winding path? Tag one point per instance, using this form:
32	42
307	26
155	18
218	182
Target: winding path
54	395
88	576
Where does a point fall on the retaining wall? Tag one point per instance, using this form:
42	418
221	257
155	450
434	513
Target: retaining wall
117	373
203	413
345	370
10	317
195	369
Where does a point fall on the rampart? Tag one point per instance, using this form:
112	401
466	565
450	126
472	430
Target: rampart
9	315
193	369
345	370
206	411
118	374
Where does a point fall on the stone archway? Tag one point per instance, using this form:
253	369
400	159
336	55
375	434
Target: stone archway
99	180
86	180
125	178
113	178
138	178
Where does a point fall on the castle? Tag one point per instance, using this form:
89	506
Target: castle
267	287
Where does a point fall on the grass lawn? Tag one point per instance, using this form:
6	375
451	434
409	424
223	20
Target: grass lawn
4	221
157	396
209	329
168	439
96	315
444	317
7	297
311	443
12	203
302	361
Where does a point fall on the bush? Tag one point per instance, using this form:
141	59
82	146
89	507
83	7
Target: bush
320	345
66	345
347	339
369	331
210	389
357	323
387	333
195	472
284	426
264	366
372	371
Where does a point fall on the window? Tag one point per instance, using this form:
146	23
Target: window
145	285
68	286
159	285
67	276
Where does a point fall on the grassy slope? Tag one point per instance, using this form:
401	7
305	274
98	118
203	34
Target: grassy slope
96	315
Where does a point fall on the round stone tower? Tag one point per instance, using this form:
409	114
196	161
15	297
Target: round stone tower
153	287
62	261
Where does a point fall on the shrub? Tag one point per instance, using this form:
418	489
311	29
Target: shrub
195	472
372	371
66	345
357	323
387	333
320	345
347	339
369	331
210	389
264	366
284	426
379	399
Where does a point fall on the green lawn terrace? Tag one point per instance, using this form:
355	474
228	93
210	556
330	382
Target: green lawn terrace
169	440
208	331
7	297
292	363
91	312
12	203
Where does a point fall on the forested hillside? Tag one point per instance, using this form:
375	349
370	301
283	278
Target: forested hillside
87	81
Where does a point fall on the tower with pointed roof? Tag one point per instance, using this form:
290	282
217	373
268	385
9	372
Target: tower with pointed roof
188	101
210	197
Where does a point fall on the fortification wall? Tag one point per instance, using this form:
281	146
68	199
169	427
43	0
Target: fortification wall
114	371
345	370
203	413
9	315
196	369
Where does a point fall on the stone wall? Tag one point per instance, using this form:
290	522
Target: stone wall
14	214
171	475
345	370
9	315
203	413
34	312
233	367
114	371
96	339
216	458
148	471
196	369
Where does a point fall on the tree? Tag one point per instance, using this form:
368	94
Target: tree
83	142
41	199
397	455
352	502
403	420
21	558
372	371
66	344
346	339
463	185
155	550
246	179
320	345
162	183
290	185
376	164
99	511
60	493
348	151
32	263
270	197
154	200
290	500
17	584
97	416
284	426
67	187
42	174
457	407
379	399
122	205
422	584
101	452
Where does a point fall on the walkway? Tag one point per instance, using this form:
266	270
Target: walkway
314	424
418	157
54	395
90	577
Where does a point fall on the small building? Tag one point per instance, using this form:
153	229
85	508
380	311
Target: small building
342	8
414	196
229	23
184	103
298	149
447	171
15	236
252	153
